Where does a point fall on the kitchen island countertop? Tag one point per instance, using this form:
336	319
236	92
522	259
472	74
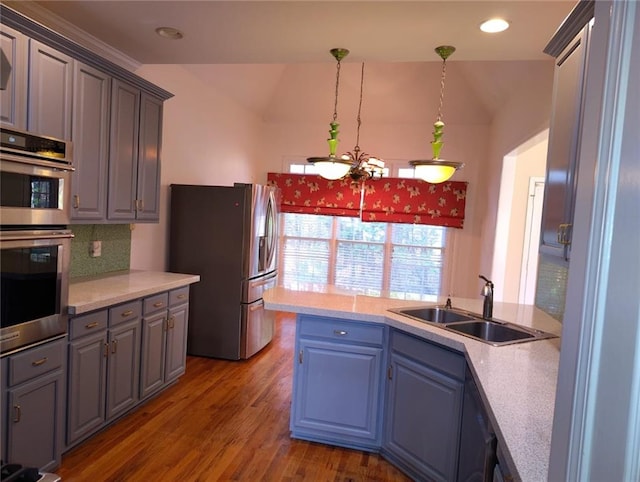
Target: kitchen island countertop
95	292
517	382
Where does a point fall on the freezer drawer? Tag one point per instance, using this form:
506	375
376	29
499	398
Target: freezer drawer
253	289
257	328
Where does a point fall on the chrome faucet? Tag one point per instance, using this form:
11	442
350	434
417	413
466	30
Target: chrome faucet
487	292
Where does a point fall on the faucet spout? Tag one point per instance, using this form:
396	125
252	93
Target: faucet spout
487	292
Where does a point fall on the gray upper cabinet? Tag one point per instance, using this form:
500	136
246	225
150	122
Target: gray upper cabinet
134	159
123	151
564	144
148	181
13	70
50	91
90	136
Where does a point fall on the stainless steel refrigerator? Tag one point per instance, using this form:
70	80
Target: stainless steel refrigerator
227	235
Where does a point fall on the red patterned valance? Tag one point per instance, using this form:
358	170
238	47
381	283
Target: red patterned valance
414	201
392	200
313	194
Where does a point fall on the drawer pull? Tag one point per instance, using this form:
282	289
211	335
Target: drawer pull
158	304
127	313
340	332
17	413
182	296
93	324
37	363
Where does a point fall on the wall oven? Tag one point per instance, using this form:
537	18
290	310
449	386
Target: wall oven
35	175
34	286
35	244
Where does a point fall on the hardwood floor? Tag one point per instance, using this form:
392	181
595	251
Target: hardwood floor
223	420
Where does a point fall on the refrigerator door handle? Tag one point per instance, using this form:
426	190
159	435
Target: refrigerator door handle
257	306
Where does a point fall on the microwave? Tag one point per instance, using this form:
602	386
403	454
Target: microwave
35	178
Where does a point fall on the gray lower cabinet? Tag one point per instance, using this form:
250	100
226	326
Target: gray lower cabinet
164	339
423	410
104	364
337	382
33	404
90	136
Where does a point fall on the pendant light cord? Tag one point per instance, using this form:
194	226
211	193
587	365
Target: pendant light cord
444	67
357	147
335	105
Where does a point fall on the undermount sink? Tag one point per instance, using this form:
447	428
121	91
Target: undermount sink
494	332
435	314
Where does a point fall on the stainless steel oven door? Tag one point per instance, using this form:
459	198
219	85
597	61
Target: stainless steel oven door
34	286
34	192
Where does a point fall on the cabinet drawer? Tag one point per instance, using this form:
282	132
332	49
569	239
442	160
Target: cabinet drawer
179	296
125	312
436	357
156	303
88	324
341	330
35	362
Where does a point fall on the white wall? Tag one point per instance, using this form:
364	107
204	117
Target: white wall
207	139
212	136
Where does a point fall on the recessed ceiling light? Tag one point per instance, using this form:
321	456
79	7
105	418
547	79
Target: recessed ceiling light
494	25
169	32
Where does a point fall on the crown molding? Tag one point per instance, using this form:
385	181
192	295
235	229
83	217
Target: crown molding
61	26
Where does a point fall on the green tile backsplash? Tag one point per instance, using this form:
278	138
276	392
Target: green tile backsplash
551	290
116	248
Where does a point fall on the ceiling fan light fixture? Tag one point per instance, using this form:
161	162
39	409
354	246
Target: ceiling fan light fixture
494	25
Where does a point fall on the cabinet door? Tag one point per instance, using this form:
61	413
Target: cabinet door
14	58
176	357
423	414
336	390
123	368
152	369
148	193
50	91
90	136
87	386
564	142
35	426
123	151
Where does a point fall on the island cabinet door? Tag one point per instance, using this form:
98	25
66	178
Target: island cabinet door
422	425
336	393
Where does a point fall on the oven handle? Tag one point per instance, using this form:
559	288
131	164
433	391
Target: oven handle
33	235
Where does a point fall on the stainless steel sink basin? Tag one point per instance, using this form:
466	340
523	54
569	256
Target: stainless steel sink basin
494	332
435	314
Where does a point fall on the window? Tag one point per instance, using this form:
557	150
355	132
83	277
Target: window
378	259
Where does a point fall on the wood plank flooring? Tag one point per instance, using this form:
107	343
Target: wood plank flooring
223	420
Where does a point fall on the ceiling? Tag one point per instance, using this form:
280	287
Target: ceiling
295	31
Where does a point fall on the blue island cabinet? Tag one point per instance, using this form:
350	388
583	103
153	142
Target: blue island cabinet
338	380
423	408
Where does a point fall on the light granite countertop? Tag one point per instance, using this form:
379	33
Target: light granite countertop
96	292
517	382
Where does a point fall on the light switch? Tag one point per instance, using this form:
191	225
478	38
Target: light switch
95	249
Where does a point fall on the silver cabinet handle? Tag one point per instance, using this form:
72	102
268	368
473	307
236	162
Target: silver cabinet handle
300	353
340	332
